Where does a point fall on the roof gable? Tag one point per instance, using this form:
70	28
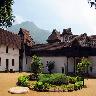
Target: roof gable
26	37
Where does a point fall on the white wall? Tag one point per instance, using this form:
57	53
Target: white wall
70	64
59	63
27	64
93	64
12	54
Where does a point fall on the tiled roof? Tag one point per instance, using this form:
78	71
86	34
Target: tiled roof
54	37
9	39
77	40
48	46
26	37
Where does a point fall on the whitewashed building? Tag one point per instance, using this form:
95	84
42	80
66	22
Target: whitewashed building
10	44
66	50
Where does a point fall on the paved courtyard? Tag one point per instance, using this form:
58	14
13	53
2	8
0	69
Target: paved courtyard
8	80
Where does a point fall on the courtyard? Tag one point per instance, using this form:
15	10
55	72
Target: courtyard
8	80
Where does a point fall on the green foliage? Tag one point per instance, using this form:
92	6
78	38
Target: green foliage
82	67
78	85
64	87
55	79
58	82
70	87
50	66
6	16
40	86
73	80
36	66
23	81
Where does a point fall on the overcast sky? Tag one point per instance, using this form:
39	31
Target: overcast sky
59	14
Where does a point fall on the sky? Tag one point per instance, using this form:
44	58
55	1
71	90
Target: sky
57	14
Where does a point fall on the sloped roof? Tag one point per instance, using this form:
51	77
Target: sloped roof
9	39
48	46
26	37
82	40
54	37
78	40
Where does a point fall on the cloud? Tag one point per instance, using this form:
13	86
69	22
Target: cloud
18	19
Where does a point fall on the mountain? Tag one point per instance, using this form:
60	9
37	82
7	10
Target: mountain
38	35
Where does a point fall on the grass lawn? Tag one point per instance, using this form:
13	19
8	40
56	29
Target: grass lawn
8	80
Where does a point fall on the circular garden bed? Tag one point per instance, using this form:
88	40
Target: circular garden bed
57	82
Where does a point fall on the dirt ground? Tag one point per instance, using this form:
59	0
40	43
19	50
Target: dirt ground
8	80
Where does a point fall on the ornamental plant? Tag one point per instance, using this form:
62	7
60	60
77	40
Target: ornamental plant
83	66
23	81
40	86
36	65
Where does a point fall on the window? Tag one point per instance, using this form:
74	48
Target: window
7	64
12	62
7	49
0	61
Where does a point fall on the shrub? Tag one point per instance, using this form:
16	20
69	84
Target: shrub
83	66
42	76
72	80
78	85
58	79
36	65
23	81
79	78
70	87
55	79
31	85
40	86
64	87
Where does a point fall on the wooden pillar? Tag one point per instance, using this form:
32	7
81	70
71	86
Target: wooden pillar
67	65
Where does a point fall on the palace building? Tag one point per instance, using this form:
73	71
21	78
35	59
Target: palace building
10	44
65	49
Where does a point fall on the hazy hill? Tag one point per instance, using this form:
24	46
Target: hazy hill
39	35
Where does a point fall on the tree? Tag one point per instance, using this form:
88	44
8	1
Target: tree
6	16
83	66
92	3
36	65
50	66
